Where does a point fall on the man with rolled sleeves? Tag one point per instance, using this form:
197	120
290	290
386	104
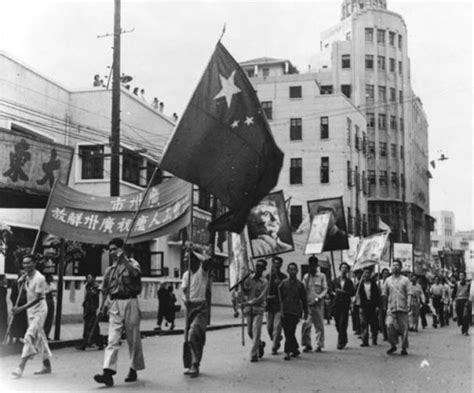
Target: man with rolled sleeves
316	289
344	289
122	280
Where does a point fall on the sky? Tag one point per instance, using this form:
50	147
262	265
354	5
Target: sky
172	41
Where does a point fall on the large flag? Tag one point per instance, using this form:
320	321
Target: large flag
93	219
223	142
383	226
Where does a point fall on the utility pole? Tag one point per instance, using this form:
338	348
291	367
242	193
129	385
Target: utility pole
115	135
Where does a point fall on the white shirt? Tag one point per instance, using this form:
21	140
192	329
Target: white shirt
198	285
36	285
367	286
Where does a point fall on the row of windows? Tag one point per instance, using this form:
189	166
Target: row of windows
382	121
92	165
382	93
383	150
354	178
381	64
383	178
296	170
382	36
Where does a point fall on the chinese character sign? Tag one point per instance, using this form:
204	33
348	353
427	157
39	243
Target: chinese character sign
29	163
92	219
199	232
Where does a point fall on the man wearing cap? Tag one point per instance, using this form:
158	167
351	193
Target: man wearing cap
344	289
316	287
254	294
273	304
336	238
397	290
194	294
122	282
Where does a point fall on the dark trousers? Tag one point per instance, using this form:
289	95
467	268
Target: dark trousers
463	314
341	315
368	318
289	323
356	319
382	325
96	338
439	307
423	312
48	323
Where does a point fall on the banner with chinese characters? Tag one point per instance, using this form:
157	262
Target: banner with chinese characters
30	163
93	219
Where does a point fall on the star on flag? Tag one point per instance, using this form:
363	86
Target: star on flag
228	88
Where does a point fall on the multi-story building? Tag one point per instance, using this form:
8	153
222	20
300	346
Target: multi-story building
365	57
443	234
323	137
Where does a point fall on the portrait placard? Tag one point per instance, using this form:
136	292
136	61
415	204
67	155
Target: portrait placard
370	250
317	234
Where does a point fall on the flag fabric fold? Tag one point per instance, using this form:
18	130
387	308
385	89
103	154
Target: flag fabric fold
223	142
383	226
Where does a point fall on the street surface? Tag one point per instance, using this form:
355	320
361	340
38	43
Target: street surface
439	360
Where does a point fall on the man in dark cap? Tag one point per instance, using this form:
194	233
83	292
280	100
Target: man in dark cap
254	295
344	289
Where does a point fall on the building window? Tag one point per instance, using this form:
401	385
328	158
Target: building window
393	94
400	96
382	121
371	146
326	89
369	62
92	161
346	90
393	150
391	38
381	63
370	120
131	166
296	216
381	36
346	61
265	72
382	93
295	130
295	92
392	64
400	41
402	180
357	138
251	73
402	154
372	179
402	126
369	35
324	169
393	123
383	177
296	171
324	127
394	180
267	107
369	92
400	70
350	181
383	149
364	143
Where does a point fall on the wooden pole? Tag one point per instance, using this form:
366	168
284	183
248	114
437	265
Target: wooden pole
59	298
333	265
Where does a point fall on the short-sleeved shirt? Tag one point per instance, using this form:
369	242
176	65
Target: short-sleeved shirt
198	284
253	289
35	286
123	280
396	289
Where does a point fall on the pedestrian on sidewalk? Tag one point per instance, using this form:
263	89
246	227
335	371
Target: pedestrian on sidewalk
437	292
51	290
196	282
274	327
383	305
369	302
35	339
397	288
171	315
316	288
163	304
417	299
254	294
90	306
344	289
19	324
462	303
292	295
122	283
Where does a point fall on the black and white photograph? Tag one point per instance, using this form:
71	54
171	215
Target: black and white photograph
268	227
336	235
210	170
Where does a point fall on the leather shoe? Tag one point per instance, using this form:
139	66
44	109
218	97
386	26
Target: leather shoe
318	349
104	378
295	354
307	349
254	359
287	357
404	352
391	350
43	370
132	376
261	349
364	344
194	372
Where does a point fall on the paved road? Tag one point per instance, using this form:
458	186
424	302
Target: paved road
440	360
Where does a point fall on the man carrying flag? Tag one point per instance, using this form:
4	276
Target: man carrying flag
223	142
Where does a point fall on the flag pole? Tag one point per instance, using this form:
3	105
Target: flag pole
7	333
106	292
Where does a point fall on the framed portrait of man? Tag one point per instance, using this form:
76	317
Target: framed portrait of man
336	236
269	228
317	234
